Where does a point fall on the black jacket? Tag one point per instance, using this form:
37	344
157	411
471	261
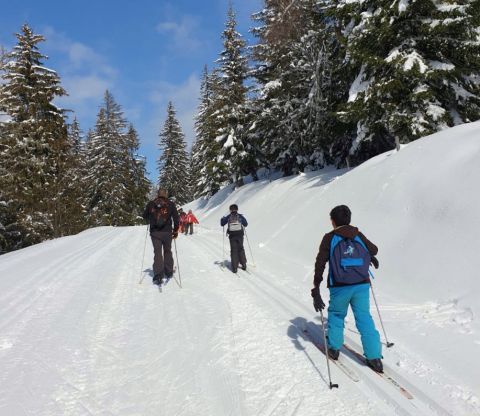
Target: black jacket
171	215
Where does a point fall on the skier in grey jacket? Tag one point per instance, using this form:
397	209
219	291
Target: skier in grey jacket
236	223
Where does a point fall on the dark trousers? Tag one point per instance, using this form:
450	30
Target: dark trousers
237	252
187	227
163	258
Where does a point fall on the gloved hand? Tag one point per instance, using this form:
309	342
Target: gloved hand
175	234
374	261
318	303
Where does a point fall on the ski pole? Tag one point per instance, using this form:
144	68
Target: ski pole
178	264
331	385
250	248
389	344
143	257
224	255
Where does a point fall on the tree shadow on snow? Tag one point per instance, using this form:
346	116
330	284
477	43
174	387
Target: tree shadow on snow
296	332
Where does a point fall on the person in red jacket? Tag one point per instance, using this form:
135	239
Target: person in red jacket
183	220
189	221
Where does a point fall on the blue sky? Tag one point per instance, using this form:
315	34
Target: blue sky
146	53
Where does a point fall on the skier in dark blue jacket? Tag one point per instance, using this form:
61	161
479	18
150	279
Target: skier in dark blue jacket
235	224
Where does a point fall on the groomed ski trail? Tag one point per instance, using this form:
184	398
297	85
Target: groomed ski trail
262	284
79	336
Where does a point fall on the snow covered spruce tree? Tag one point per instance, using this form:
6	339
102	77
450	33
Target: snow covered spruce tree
72	211
290	38
417	66
34	144
173	163
111	167
237	155
136	174
206	173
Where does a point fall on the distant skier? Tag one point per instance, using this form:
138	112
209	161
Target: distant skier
190	219
161	213
183	220
349	254
236	222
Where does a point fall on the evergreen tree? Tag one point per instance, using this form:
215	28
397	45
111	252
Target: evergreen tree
284	77
230	95
74	197
138	184
206	173
173	163
34	145
112	167
417	66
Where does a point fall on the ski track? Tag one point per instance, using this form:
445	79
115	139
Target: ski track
286	302
81	336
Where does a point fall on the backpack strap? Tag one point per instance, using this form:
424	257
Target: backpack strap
335	240
359	240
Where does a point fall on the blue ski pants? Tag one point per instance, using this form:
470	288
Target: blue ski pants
359	298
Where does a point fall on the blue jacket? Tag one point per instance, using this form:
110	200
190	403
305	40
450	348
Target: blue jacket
225	219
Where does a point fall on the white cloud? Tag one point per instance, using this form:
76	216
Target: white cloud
185	102
85	73
82	88
182	32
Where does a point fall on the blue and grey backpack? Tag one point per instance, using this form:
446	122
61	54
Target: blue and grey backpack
349	261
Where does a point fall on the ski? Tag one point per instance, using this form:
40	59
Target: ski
339	363
385	375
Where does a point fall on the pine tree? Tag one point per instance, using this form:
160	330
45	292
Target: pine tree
113	179
417	66
284	80
206	174
138	184
73	194
34	145
230	96
173	163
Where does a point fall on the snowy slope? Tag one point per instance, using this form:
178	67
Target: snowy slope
79	335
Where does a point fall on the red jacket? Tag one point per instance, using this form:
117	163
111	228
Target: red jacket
191	219
183	218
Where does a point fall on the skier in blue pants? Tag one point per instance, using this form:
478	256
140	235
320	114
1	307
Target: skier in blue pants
349	254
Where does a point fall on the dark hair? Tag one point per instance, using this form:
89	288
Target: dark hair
341	215
234	207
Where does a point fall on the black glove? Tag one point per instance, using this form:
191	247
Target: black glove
374	261
175	234
317	299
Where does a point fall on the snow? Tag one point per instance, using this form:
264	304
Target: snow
80	336
271	86
229	142
4	118
460	92
403	5
442	66
435	111
359	85
408	59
